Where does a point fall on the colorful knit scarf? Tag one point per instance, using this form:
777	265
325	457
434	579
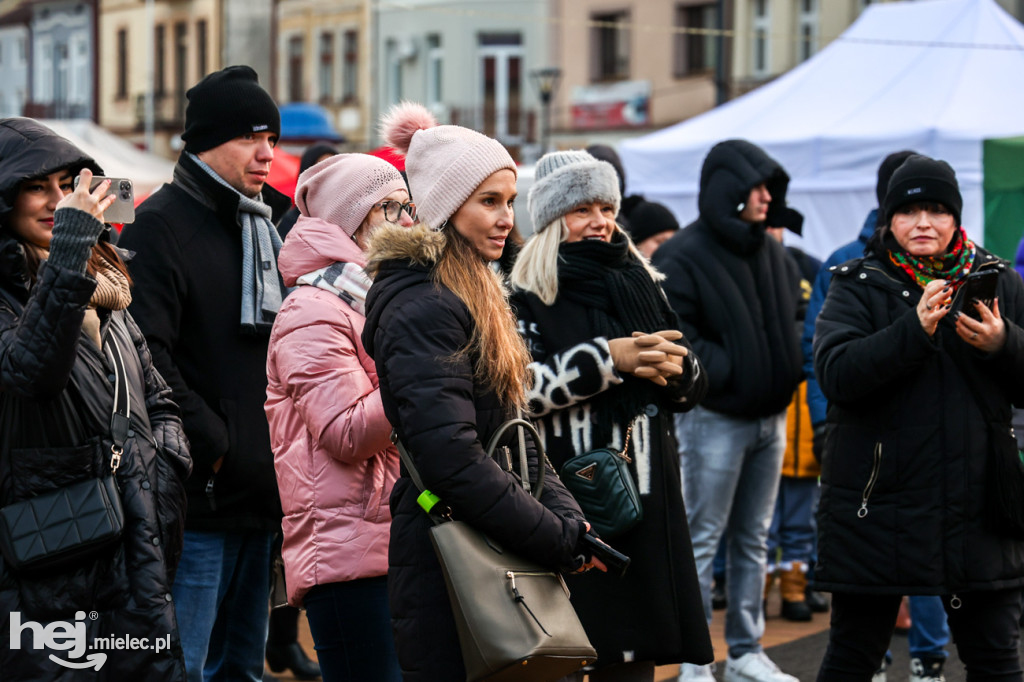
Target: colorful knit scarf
951	266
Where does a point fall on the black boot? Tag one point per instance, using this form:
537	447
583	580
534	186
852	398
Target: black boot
718	598
292	657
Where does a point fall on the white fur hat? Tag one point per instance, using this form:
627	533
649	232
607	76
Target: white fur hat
565	180
445	163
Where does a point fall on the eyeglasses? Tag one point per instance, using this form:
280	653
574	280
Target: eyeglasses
393	210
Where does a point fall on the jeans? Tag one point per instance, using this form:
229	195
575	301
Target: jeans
730	469
221	594
985	628
929	634
793	527
351	627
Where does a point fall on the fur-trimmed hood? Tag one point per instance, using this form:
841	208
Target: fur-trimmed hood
418	244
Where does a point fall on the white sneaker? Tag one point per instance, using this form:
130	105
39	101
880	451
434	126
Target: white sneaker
927	670
688	672
754	667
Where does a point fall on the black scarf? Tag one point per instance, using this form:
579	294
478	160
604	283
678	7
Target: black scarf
619	297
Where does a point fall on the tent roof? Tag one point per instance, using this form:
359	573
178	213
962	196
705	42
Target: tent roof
307	121
116	156
936	76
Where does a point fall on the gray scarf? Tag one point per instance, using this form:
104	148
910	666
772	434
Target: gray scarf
262	289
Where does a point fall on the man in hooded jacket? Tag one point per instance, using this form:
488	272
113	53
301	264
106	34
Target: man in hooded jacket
735	292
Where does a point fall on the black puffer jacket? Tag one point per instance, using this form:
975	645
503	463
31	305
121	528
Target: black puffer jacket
735	290
413	328
187	299
55	405
902	414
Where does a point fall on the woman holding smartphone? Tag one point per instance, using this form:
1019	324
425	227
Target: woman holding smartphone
918	399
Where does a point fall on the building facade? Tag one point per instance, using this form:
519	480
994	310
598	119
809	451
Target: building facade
14	57
324	56
61	70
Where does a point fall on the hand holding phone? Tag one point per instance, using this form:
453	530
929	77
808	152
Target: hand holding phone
615	561
122	210
979	286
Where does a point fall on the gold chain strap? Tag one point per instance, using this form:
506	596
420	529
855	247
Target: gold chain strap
625	449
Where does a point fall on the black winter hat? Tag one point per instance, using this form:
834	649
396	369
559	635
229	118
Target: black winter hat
921	179
885	170
313	153
227	104
650	218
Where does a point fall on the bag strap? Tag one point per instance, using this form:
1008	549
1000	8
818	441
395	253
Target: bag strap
119	419
428	500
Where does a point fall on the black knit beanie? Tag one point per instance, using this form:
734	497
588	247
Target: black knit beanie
650	218
313	153
227	104
921	179
886	169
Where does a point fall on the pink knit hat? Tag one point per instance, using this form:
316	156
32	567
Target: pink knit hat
445	164
343	188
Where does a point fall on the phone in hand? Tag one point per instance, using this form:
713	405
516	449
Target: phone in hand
614	560
979	285
123	209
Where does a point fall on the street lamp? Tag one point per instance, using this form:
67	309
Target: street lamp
546	80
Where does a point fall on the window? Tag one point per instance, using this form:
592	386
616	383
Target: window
808	26
325	70
434	70
22	51
350	68
695	52
201	47
159	55
295	68
609	40
81	77
394	73
762	34
122	63
181	79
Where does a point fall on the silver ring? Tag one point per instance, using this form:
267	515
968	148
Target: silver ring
974	336
927	307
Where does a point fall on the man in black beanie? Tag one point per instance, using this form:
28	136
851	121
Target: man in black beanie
206	293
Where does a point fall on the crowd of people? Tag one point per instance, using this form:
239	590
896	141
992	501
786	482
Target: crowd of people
839	427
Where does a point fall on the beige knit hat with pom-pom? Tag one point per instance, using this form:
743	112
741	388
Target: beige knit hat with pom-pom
444	163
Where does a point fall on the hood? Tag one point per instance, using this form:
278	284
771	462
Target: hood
314	244
28	149
398	258
731	169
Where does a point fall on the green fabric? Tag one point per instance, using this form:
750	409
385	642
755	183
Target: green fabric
1003	186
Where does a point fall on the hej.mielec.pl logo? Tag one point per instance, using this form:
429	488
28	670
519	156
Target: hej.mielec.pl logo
71	638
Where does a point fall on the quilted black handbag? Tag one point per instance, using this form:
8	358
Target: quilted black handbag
513	616
78	521
604	488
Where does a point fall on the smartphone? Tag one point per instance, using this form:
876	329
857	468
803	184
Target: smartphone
614	560
123	209
979	285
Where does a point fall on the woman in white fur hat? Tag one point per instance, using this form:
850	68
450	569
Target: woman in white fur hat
609	369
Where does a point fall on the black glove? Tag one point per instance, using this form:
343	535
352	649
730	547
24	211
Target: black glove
818	442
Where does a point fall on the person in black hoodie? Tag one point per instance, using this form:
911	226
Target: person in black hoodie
918	425
452	368
583	289
736	293
64	290
208	290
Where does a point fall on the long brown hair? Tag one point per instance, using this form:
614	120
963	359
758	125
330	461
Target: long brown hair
101	251
502	353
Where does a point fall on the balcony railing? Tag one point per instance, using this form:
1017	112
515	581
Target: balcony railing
58	110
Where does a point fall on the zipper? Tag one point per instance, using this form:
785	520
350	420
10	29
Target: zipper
875	467
511	575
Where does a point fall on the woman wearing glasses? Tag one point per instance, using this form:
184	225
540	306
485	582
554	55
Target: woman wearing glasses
335	463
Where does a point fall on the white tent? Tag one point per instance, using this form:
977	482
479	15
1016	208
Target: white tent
937	77
116	156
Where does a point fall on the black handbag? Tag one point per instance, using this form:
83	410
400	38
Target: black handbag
74	523
513	616
604	488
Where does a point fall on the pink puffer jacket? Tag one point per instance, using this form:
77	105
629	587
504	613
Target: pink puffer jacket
334	460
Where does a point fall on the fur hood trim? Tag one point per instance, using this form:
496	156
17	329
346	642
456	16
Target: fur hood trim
419	244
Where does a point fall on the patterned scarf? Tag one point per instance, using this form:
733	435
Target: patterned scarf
347	281
262	289
112	290
951	266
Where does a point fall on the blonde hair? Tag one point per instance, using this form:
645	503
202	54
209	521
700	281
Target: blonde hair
502	354
536	268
